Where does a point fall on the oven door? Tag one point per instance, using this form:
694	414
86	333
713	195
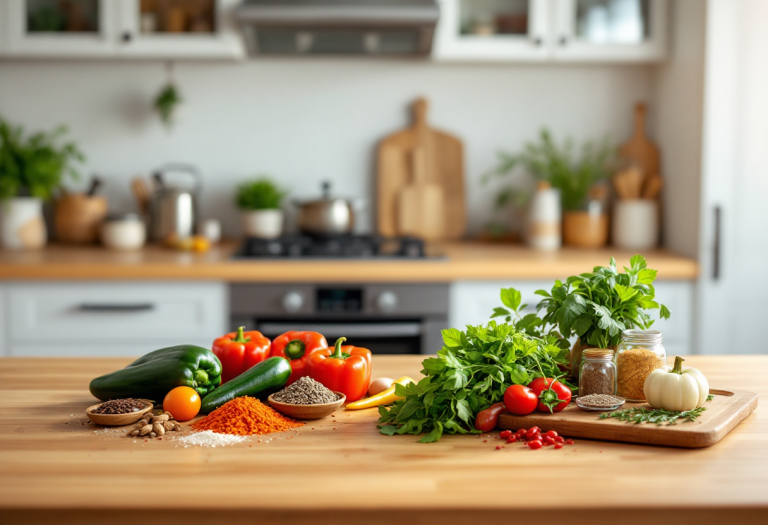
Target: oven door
382	337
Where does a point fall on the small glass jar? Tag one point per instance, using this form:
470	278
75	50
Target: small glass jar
640	353
597	373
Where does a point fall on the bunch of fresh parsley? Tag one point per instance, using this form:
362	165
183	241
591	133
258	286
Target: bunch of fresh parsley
469	374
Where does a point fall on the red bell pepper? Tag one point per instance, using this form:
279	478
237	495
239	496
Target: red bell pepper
239	351
296	347
345	369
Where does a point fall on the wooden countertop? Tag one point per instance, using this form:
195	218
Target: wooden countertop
471	261
337	470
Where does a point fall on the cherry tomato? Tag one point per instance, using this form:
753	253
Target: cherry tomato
182	402
487	419
535	444
533	433
551	433
520	400
552	399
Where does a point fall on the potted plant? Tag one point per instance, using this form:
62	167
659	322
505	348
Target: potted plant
259	201
31	169
576	174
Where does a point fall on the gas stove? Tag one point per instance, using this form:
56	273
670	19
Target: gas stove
337	247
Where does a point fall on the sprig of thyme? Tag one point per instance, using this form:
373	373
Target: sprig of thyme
646	414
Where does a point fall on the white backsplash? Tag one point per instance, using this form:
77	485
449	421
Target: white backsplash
304	121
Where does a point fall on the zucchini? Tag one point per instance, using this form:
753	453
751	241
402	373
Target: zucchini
260	380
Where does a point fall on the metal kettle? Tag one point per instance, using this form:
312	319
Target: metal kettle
328	216
173	209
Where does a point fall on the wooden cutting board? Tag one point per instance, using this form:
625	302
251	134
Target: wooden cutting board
723	413
640	150
420	203
443	168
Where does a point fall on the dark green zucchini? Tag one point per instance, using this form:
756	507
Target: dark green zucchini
260	380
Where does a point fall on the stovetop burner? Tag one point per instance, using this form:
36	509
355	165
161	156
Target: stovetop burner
340	247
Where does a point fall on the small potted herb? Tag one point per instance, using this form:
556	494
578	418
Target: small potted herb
576	174
260	201
32	168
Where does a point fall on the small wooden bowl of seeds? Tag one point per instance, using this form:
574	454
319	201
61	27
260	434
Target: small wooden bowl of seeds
315	411
306	399
118	412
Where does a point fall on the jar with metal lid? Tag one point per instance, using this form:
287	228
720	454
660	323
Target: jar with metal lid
640	353
597	373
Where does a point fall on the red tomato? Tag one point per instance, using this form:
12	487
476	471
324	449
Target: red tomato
182	402
520	400
487	419
553	395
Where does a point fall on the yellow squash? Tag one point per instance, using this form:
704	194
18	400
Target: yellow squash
386	397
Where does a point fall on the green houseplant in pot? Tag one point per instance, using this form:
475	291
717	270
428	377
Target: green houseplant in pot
576	173
259	201
596	307
32	168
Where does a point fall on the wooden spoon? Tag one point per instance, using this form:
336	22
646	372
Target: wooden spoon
652	188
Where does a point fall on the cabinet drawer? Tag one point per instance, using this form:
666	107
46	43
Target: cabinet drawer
116	312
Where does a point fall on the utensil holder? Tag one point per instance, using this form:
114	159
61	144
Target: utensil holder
585	229
77	218
636	224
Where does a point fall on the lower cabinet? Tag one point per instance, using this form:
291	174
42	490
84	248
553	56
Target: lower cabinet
3	333
109	318
472	302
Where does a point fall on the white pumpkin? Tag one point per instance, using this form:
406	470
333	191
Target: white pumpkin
676	389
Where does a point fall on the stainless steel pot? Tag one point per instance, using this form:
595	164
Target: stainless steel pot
173	208
326	216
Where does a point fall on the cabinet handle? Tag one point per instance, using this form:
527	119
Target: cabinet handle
563	40
127	36
116	307
716	245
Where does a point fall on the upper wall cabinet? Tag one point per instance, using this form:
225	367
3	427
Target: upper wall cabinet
126	28
551	30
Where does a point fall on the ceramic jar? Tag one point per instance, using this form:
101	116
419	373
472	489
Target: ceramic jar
21	223
265	224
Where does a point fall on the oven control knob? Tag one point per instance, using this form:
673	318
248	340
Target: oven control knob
386	301
293	301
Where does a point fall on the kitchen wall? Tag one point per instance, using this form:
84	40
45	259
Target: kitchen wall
304	121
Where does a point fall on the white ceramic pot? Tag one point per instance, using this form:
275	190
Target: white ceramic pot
266	224
123	232
21	223
636	224
544	219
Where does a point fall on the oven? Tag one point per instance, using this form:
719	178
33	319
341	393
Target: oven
391	318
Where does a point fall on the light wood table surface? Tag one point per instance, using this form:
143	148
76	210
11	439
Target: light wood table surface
456	261
53	469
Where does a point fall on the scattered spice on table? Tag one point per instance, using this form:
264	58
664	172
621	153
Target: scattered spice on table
305	391
120	406
208	438
634	366
600	400
245	416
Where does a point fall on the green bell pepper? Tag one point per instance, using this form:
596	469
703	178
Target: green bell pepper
155	374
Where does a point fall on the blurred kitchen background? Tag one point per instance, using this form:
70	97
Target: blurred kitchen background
177	104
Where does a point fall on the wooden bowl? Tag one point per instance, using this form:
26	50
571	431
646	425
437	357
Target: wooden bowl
307	411
117	420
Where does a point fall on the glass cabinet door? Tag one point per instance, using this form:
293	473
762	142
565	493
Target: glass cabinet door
492	30
59	27
178	28
610	29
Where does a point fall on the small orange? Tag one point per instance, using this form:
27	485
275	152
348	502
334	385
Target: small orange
182	402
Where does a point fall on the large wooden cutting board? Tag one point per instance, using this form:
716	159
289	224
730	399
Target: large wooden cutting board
723	413
443	167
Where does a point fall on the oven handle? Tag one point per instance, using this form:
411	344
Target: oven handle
333	330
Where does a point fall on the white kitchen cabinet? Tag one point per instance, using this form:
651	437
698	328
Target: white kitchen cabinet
472	302
493	30
610	30
3	331
119	28
112	318
551	30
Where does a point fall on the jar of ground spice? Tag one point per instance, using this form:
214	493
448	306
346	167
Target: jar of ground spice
640	353
597	374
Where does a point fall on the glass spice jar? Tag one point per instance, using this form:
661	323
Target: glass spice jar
597	373
640	353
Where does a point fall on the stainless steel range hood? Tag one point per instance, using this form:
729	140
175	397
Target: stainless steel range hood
338	27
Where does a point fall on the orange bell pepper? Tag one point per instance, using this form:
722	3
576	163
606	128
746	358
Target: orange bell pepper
239	351
345	369
296	347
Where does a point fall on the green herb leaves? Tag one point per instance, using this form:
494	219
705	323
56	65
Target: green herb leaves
646	414
470	373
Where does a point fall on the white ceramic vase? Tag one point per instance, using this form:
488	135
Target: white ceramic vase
21	223
636	224
265	224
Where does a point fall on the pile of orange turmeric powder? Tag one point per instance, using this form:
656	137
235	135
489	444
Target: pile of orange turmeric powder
245	416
